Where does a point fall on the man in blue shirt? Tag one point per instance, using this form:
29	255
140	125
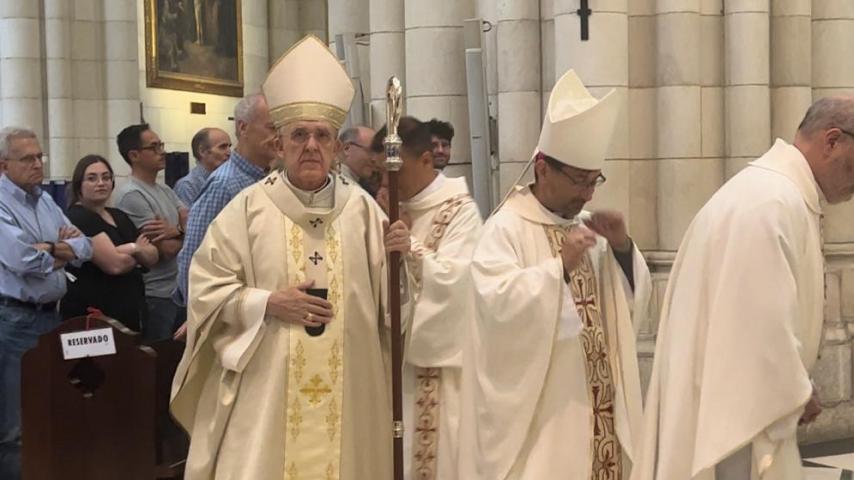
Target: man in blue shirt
249	162
37	242
211	147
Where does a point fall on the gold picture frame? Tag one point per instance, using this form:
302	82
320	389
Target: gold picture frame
194	45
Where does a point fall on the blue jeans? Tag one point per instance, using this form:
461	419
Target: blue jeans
20	329
164	318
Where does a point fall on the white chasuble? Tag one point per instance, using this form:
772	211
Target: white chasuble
740	328
446	226
262	398
541	398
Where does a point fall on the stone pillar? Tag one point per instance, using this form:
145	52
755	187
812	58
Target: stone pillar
123	77
313	18
256	53
689	113
88	80
347	16
59	140
518	82
435	69
641	111
283	25
602	63
791	66
386	53
833	74
21	91
547	50
748	103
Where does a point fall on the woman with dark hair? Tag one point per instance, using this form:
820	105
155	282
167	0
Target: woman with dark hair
112	281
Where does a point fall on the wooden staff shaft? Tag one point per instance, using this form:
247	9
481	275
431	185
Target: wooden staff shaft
396	338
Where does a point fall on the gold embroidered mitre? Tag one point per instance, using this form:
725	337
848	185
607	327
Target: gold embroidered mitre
308	83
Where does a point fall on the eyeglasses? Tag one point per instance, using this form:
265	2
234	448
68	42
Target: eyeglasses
106	177
367	149
846	132
596	182
302	136
30	159
156	147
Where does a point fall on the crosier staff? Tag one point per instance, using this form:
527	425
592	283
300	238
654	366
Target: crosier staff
394	94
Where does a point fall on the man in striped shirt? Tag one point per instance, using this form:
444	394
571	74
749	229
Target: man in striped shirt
249	161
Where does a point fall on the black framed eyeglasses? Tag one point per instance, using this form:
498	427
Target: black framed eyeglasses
157	147
596	182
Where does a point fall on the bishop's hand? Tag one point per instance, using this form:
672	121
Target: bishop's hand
294	305
577	241
611	225
812	409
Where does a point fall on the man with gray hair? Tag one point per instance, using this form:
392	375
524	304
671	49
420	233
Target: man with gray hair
741	320
248	163
356	160
38	241
211	148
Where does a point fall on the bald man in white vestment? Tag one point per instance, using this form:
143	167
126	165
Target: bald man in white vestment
741	320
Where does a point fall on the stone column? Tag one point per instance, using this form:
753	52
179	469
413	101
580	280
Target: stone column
283	25
641	111
547	50
689	114
435	69
59	140
791	65
88	80
602	63
518	81
313	18
256	53
121	56
21	89
833	74
347	16
386	53
748	109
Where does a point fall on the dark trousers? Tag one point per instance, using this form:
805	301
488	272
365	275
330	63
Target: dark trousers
164	318
20	328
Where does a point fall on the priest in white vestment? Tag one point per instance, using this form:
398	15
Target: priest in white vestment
446	225
741	320
551	387
285	373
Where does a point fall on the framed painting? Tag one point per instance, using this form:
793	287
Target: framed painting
194	45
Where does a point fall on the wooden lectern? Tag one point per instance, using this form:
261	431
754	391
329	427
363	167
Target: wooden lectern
103	417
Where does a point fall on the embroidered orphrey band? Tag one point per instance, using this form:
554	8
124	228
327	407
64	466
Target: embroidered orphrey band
606	452
428	380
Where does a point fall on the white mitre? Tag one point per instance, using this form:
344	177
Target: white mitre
308	83
577	128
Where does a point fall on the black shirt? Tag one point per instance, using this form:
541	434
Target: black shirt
118	296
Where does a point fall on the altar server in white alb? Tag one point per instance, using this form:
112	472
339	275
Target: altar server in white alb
550	373
263	390
446	225
742	316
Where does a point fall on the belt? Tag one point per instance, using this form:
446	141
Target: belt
39	307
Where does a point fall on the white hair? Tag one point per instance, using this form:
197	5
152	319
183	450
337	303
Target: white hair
246	108
8	134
